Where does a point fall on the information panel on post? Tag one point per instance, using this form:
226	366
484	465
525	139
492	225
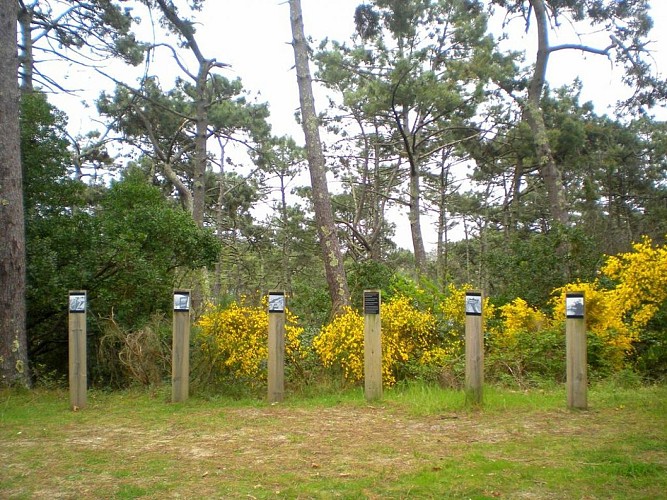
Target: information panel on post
473	304
574	305
276	302
77	302
372	302
182	300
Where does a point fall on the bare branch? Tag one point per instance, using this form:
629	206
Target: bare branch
583	48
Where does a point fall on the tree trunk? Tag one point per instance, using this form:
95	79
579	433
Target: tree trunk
415	221
515	203
284	238
549	171
201	152
27	61
13	337
441	252
414	215
333	258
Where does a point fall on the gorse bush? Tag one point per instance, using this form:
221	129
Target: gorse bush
234	341
423	331
621	308
631	290
406	333
340	344
410	339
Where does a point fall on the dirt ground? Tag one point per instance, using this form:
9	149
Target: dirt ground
263	451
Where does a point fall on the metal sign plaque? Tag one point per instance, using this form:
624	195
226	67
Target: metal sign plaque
574	305
473	304
276	302
371	302
77	302
182	301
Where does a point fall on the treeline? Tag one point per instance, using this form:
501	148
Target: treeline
186	186
129	246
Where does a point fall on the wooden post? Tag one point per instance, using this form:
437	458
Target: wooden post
474	348
276	347
372	345
575	347
78	375
180	350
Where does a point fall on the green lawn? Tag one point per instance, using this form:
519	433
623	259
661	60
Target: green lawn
418	442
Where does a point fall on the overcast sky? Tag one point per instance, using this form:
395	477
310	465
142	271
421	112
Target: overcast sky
253	36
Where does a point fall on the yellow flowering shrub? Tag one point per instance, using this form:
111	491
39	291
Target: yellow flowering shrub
341	343
405	331
641	281
452	308
517	317
617	315
235	338
604	318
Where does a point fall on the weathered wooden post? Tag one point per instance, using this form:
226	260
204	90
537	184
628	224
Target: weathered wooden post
78	375
575	347
180	349
372	345
474	348
276	346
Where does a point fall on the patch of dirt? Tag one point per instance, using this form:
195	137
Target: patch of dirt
199	451
339	441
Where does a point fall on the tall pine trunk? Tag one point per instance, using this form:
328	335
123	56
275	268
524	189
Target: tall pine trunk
549	171
533	115
326	228
13	337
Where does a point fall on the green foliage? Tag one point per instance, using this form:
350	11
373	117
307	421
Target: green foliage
125	248
529	265
532	357
367	275
141	241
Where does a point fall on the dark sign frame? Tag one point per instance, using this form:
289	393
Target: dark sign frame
181	300
371	302
276	302
78	302
575	305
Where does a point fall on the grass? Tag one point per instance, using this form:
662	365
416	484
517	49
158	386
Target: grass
417	442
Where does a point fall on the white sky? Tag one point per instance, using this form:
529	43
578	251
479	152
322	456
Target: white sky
253	36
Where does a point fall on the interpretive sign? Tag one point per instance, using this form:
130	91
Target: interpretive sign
474	348
473	303
181	300
372	302
576	363
276	366
78	371
77	302
276	302
574	305
372	346
180	347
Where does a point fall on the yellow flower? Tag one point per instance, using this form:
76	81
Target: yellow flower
236	339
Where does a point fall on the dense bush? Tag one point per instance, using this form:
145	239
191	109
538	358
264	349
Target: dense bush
414	342
423	331
234	342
